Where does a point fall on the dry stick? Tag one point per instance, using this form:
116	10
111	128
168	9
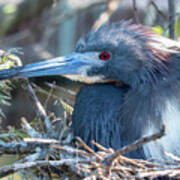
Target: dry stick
136	12
6	170
9	136
171	5
160	173
29	130
158	10
19	147
100	147
70	98
71	150
112	5
172	156
40	140
85	146
49	95
41	90
132	161
110	158
39	108
63	89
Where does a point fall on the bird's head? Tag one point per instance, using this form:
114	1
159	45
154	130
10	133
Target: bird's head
120	52
128	53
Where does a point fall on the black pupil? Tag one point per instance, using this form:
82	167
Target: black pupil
105	55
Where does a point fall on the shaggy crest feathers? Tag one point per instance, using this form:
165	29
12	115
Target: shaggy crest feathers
160	46
129	40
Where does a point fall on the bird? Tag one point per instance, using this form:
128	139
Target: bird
132	78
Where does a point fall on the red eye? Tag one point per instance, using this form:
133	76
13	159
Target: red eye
104	56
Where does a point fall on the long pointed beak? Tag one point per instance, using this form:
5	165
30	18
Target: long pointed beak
74	66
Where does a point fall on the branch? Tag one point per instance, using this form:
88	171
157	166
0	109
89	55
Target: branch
109	159
158	10
6	170
19	147
29	130
105	16
136	12
39	109
171	5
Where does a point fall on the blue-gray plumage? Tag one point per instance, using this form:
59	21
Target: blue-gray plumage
147	65
102	103
96	116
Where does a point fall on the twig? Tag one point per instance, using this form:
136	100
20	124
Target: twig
158	173
112	6
88	148
40	140
19	147
109	159
158	10
39	154
9	136
41	90
172	156
63	89
171	5
6	170
29	130
100	147
69	99
71	150
39	109
136	12
50	93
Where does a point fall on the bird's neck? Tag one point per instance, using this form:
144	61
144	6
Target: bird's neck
146	109
96	114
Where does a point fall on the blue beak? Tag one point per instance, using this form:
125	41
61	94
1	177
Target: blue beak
76	64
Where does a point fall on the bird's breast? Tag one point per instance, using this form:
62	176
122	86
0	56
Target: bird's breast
96	115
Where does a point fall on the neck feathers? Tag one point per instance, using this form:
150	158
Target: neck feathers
146	110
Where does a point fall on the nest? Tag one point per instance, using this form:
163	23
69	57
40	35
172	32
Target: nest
48	152
54	154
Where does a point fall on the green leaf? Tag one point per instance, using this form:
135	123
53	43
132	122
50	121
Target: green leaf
8	59
17	132
66	107
9	9
158	29
177	27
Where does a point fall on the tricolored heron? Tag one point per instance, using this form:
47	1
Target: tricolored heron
116	115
